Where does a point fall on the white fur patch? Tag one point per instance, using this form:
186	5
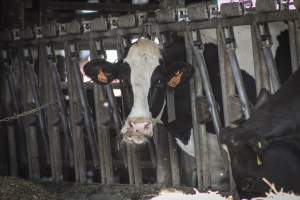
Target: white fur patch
189	147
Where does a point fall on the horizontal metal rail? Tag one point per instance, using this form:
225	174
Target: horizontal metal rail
176	27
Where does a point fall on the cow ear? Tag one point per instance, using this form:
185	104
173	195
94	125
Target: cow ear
101	71
178	73
262	98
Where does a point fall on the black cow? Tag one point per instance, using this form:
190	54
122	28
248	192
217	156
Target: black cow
268	144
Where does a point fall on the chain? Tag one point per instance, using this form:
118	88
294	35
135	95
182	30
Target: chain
26	113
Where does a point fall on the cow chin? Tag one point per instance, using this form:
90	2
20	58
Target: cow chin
135	138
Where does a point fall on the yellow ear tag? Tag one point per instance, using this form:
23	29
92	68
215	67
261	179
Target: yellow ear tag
101	76
258	160
175	80
259	145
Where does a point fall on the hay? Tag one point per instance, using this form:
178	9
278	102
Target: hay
12	188
178	195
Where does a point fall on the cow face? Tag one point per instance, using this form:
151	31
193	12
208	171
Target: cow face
144	69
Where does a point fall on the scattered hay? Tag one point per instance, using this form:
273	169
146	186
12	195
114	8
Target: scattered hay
178	195
274	194
12	188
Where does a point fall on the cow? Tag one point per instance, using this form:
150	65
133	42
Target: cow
267	145
149	72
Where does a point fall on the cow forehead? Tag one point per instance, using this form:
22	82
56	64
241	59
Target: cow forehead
144	52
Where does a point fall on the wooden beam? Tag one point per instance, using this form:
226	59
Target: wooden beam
109	7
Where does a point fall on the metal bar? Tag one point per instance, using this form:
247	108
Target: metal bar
257	60
266	43
228	89
163	170
52	118
102	116
261	70
203	133
230	49
136	166
293	45
297	35
196	128
13	164
88	121
33	153
76	122
175	27
37	101
271	68
57	89
198	53
108	7
174	161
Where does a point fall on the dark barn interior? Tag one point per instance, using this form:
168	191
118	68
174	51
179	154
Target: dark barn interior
62	130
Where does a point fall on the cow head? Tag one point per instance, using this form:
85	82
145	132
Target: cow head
145	70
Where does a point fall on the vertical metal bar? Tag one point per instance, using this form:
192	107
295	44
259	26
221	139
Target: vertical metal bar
163	170
293	45
228	89
102	116
196	128
30	73
88	121
33	153
261	71
30	122
175	172
297	35
52	117
266	43
272	68
198	53
257	60
55	87
76	122
13	164
230	49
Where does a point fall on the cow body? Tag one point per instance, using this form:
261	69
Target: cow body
268	144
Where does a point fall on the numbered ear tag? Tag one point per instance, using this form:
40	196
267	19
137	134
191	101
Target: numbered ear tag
175	80
101	76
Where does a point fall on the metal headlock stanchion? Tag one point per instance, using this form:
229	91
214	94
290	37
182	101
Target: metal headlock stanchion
15	130
230	44
198	129
57	90
29	71
263	33
197	50
102	117
72	53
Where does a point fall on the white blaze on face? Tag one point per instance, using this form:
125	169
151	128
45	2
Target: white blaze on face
143	57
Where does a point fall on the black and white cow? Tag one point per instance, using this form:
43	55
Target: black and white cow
149	71
268	144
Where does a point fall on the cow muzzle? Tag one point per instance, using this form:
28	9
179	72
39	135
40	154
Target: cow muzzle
137	130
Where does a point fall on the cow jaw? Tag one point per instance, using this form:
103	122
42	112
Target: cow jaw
143	57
